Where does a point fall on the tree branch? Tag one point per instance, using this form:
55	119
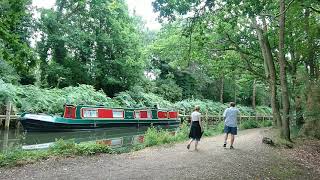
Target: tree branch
314	9
281	13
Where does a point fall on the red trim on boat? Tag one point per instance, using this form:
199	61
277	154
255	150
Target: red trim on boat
143	114
105	113
173	114
70	112
162	114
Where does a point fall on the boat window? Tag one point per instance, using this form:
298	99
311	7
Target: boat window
142	114
69	112
117	113
173	114
162	114
90	113
137	114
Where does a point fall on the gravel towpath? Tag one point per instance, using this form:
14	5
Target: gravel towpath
249	160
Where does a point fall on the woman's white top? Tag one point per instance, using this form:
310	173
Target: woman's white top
195	116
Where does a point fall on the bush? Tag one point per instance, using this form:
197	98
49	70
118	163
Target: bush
19	157
168	89
183	132
154	137
60	148
68	148
217	108
33	99
249	124
266	123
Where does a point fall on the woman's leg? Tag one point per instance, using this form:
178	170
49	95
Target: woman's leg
190	141
188	146
196	145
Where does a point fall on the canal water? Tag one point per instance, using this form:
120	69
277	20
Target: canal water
13	139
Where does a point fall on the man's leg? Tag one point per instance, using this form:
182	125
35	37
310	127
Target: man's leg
233	133
232	139
225	140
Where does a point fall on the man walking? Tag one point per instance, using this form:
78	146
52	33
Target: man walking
230	116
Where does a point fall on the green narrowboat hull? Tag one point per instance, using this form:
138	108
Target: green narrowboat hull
48	123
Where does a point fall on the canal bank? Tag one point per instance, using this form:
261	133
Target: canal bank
249	160
153	136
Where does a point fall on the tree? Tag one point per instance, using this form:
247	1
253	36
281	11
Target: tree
235	25
16	27
95	42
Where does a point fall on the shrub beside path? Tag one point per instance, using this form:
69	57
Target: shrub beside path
249	160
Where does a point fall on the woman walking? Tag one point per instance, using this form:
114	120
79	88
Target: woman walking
196	129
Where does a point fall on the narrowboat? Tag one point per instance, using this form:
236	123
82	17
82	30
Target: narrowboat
83	117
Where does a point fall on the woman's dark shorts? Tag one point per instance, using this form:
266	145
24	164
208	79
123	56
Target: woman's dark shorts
232	130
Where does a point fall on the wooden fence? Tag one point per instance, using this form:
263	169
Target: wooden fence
210	119
11	120
6	119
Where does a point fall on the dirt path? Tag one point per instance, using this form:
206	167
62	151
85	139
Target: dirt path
249	160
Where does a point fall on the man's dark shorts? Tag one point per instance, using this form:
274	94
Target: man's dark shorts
232	130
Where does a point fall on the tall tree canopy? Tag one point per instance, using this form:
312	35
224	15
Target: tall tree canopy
256	31
91	42
16	28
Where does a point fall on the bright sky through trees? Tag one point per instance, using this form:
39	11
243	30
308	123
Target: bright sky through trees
142	8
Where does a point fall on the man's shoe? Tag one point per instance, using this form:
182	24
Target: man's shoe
188	147
231	147
224	145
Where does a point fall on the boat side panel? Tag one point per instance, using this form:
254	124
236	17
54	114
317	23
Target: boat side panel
36	125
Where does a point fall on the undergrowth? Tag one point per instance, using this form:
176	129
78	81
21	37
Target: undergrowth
250	124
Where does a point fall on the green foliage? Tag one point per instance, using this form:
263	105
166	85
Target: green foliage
15	30
249	124
266	123
168	89
154	137
66	148
217	108
20	157
220	127
34	99
183	132
8	73
311	127
60	148
100	45
41	100
138	98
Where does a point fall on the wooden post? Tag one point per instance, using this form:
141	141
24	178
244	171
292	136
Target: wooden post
5	141
207	120
8	111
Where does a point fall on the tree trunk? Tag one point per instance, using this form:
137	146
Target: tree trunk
299	111
283	75
310	56
254	96
296	94
268	58
221	89
235	90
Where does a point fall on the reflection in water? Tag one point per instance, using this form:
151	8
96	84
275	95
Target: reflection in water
16	139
